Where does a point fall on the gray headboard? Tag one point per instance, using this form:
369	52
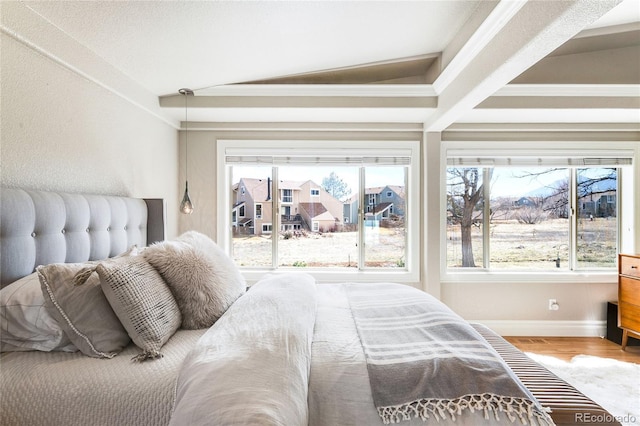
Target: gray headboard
38	228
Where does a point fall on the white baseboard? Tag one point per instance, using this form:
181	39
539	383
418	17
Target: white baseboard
595	328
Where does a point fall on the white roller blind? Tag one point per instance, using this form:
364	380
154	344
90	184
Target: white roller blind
542	158
318	156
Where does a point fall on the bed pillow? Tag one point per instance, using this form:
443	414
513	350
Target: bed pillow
142	301
81	308
202	278
25	322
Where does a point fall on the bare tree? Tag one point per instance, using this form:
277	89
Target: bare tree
465	194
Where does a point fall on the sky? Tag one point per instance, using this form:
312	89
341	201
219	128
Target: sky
509	182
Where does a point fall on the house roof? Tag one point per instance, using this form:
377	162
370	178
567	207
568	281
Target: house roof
290	184
257	188
460	66
382	207
314	210
373	190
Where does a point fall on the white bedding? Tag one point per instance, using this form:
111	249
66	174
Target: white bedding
285	353
251	367
57	388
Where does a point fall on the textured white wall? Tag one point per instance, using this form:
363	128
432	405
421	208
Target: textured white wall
63	132
202	182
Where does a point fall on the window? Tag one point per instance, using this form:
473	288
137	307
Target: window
539	211
328	223
287	196
241	211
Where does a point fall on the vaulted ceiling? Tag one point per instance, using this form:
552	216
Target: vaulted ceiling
434	64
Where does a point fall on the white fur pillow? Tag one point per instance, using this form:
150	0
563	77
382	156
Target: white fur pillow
203	279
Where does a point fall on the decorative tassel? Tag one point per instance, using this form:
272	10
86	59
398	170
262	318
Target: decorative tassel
515	408
146	355
82	276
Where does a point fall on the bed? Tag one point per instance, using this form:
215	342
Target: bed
125	327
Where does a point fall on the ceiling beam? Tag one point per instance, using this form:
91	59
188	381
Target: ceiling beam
534	31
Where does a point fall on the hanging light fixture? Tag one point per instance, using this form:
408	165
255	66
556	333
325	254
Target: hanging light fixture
186	206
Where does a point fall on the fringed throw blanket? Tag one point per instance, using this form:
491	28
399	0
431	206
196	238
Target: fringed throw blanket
425	361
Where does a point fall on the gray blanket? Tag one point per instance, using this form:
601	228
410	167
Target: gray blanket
425	361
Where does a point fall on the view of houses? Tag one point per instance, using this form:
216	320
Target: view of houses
307	207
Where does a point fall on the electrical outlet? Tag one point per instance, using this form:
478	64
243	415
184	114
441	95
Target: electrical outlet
553	305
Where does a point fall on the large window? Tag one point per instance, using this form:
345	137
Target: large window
539	211
341	207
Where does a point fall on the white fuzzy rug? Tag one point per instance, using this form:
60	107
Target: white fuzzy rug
613	384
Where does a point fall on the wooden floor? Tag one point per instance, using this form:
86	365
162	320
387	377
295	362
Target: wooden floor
567	347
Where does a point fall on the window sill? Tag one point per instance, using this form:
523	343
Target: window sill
596	277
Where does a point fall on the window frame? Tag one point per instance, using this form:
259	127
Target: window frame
485	151
342	149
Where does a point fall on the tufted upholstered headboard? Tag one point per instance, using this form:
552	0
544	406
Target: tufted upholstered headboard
38	228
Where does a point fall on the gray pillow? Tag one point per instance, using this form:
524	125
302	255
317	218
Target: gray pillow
25	322
202	278
142	301
82	310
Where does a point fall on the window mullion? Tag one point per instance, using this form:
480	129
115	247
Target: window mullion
486	218
361	216
275	217
573	208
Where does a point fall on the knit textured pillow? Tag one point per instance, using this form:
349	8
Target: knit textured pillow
202	277
142	301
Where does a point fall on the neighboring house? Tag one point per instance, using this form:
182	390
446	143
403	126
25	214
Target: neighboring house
526	202
303	205
252	206
604	206
381	202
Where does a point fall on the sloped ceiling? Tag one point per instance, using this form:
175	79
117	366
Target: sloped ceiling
435	64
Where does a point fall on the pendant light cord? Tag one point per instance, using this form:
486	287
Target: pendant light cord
186	137
186	206
186	93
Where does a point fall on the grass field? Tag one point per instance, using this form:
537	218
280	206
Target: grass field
514	245
384	248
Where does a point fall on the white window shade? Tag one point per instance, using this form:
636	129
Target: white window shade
319	156
542	158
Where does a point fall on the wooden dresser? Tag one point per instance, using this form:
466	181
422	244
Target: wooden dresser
628	296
